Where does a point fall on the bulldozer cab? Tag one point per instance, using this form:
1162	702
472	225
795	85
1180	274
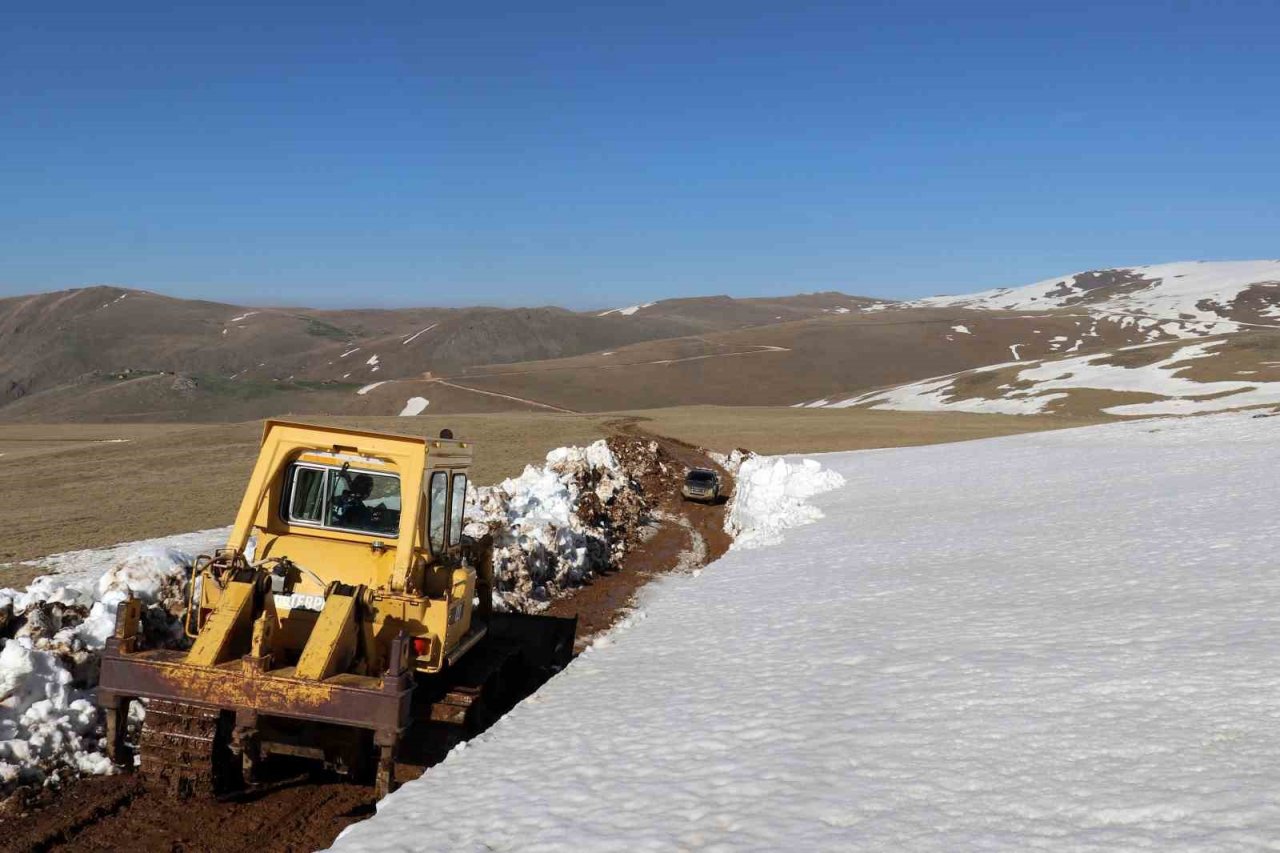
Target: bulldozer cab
354	507
373	516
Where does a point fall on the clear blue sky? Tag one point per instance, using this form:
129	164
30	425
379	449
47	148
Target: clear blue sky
425	153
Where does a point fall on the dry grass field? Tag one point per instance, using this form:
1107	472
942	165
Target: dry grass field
773	431
79	486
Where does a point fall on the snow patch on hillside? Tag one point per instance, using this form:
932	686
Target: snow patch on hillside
418	334
414	406
1035	387
628	311
1184	291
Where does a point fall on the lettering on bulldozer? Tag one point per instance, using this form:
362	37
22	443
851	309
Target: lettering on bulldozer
359	614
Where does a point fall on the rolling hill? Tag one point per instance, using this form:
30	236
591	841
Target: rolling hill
110	354
107	353
1231	310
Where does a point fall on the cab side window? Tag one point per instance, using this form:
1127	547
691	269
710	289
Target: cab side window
458	503
307	497
438	499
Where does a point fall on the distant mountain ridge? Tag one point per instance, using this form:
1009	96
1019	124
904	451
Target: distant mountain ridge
103	353
79	341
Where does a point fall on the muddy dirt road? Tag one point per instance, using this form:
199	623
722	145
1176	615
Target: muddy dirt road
303	810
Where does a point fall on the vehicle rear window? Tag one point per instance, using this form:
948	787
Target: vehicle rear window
702	478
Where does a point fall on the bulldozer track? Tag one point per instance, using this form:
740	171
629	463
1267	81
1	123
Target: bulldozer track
184	749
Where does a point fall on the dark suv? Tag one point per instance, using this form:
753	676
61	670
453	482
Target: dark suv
701	484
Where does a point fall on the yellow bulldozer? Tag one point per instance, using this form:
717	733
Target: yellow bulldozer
346	611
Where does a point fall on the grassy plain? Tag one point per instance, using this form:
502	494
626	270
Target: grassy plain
78	486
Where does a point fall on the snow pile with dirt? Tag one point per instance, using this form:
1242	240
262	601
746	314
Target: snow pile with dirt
51	634
771	495
556	525
1061	640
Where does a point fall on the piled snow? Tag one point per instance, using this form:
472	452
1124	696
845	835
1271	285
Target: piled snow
731	461
414	406
961	330
51	634
367	388
1030	391
628	311
44	720
1182	291
1062	640
771	496
547	535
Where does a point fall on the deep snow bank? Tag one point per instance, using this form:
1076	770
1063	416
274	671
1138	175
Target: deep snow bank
556	525
771	495
51	634
1062	640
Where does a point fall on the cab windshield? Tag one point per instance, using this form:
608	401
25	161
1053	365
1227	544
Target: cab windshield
701	478
343	499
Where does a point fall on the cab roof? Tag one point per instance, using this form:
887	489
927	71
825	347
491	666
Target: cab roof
369	438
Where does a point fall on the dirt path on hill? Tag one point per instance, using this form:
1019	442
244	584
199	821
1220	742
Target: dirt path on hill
305	811
448	384
754	349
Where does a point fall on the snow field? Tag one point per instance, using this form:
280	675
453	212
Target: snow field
1060	640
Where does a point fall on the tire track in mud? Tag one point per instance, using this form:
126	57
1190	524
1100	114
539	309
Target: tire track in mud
306	811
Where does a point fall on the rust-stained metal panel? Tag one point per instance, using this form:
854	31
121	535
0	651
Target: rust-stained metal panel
362	701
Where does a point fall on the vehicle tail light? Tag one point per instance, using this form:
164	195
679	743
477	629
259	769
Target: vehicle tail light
421	645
